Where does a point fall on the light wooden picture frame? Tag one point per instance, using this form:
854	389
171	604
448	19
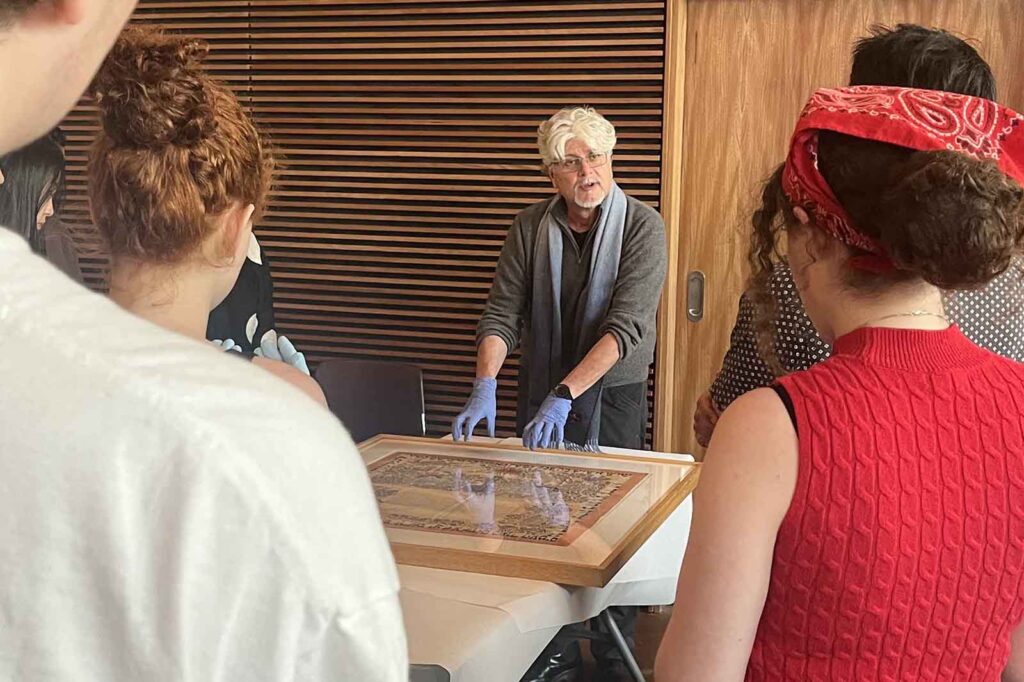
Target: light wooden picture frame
565	517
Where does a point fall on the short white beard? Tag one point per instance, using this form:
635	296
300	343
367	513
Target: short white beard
590	204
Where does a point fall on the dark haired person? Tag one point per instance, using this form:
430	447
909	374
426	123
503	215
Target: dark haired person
863	519
993	316
30	198
32	179
166	512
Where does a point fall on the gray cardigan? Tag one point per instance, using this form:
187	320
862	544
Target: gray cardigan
633	311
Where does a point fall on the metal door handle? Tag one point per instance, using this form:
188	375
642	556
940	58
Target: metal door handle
695	296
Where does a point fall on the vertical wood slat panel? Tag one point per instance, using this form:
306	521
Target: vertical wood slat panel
407	134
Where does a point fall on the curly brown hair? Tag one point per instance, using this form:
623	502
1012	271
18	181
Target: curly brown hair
176	148
942	217
763	255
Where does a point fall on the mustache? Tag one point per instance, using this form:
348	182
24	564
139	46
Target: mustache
580	183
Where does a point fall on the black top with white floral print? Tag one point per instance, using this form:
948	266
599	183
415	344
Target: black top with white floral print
247	313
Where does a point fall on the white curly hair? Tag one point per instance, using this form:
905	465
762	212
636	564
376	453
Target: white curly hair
582	123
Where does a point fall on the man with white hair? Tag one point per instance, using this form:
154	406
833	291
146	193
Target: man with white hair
578	281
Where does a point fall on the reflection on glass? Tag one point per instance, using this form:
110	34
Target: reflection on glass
576	447
553	507
479	502
520	501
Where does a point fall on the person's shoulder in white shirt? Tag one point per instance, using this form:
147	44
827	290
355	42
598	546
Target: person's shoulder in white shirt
169	512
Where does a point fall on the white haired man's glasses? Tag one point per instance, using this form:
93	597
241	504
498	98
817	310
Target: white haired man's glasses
572	164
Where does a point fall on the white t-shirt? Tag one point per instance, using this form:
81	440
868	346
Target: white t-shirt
170	512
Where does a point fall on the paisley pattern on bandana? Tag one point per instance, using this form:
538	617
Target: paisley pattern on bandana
924	120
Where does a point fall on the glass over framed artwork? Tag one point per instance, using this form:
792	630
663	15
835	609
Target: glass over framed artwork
570	518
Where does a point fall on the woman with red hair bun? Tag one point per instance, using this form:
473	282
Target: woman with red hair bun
177	177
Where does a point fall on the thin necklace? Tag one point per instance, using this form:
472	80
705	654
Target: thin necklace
912	313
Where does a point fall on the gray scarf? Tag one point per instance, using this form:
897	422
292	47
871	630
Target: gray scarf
545	343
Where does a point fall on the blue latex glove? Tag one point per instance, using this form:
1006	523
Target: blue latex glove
274	347
226	345
547	429
482	404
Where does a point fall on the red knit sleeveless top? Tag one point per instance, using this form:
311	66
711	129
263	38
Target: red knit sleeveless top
902	554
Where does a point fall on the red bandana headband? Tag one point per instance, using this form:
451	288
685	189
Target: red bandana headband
924	120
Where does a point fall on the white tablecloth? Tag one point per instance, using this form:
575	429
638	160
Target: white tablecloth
468	627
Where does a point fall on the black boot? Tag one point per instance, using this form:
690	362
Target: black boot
559	662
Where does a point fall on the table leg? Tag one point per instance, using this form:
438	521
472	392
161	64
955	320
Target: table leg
620	642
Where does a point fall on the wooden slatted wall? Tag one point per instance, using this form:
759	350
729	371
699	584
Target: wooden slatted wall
407	130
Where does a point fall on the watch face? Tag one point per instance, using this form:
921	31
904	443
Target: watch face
562	391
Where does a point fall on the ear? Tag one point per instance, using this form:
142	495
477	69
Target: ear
237	231
69	12
801	215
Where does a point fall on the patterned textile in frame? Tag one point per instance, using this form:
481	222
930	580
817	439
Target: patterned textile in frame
526	502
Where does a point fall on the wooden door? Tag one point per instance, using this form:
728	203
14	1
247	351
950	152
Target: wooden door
750	67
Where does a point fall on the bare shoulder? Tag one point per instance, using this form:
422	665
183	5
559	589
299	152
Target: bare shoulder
761	408
755	447
284	371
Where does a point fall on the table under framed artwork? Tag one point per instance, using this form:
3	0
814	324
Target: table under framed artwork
565	517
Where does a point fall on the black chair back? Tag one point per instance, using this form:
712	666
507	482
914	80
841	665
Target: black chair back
372	397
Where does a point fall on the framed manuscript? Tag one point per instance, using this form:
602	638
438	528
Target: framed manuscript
566	517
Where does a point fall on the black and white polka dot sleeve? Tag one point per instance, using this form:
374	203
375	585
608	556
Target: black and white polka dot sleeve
796	342
991	316
742	369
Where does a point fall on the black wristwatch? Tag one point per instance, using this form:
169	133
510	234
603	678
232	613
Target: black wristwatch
562	391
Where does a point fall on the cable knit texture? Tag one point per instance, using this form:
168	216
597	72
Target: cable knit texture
902	554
